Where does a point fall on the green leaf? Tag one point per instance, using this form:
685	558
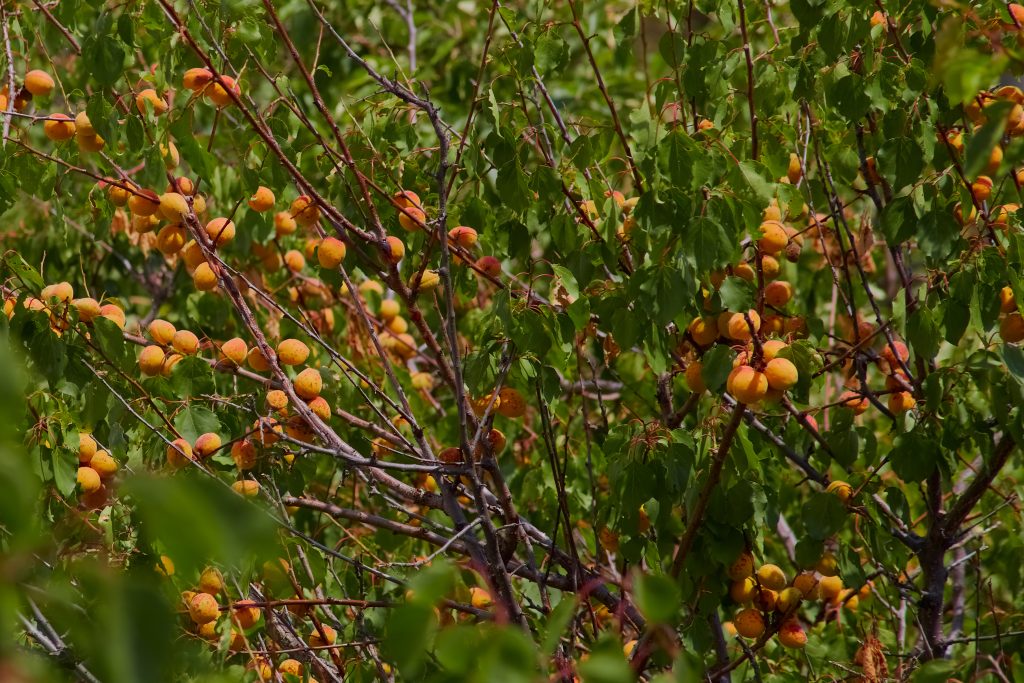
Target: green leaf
716	365
194	420
823	515
980	146
658	597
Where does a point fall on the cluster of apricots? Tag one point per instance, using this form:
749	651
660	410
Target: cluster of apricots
58	300
96	470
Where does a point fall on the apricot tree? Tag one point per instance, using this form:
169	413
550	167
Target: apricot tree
593	341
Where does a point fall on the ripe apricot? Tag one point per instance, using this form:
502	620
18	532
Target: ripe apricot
694	378
427	282
204	277
59	127
178	452
151	360
113	313
773	237
328	637
463	236
245	614
219	92
740	329
778	293
742	567
408	198
746	384
792	634
277	399
807	584
161	331
206	445
221	231
321	408
703	331
794	172
489	265
854	401
510	403
150	97
203	608
284	224
246	488
196	79
104	465
304	210
211	581
830	587
39	83
87	307
243	452
771	576
789	599
185	342
901	402
88	479
480	598
86	448
781	374
395	250
234	350
292	352
61	291
294	260
412	218
308	384
743	591
1011	327
170	239
262	199
256	360
749	623
330	253
841	490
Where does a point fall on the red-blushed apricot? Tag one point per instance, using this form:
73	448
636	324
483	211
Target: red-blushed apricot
781	374
59	127
840	489
104	464
778	293
395	250
284	224
749	623
243	452
901	402
807	584
196	79
792	634
746	384
149	98
773	237
489	265
742	566
308	384
1011	327
262	199
277	400
39	83
61	291
463	236
294	260
412	218
694	378
185	342
234	350
86	448
510	403
178	452
205	277
328	638
88	479
765	599
220	94
206	445
304	210
246	488
87	307
321	408
330	253
161	332
292	352
854	401
407	199
203	608
151	360
221	231
740	329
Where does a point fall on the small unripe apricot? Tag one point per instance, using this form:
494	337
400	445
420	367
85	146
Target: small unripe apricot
59	127
161	332
771	576
88	479
292	352
262	199
185	342
749	623
178	452
781	374
151	360
39	83
304	210
234	350
746	384
206	445
221	231
463	236
308	384
203	608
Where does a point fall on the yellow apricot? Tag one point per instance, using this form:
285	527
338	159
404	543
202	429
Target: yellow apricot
328	638
262	199
746	384
510	403
277	399
143	202
206	445
330	253
39	83
151	98
256	360
221	231
284	224
480	598
412	218
742	566
104	465
196	79
292	352
161	332
219	92
792	634
304	210
204	277
203	608
170	239
234	350
294	260
778	293
247	488
781	374
694	378
308	384
771	576
185	342
86	448
211	581
151	360
59	127
840	489
178	452
773	237
88	479
87	307
749	623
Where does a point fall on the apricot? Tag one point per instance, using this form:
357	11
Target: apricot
87	307
284	224
489	265
185	342
738	327
773	237
427	282
103	464
742	567
1007	300
308	384
221	231
407	199
792	634
389	310
219	92
161	331
778	293
841	490
292	352
749	623
330	253
395	250
204	277
61	291
151	360
1011	327
165	566
246	488
39	83
304	210
277	400
234	350
262	199
245	614
328	638
196	79
480	598
203	608
794	172
807	584
743	591
463	236
321	408
150	97
88	479
256	360
412	218
901	401
789	599
703	331
510	403
294	260
854	401
746	384
694	378
771	576
178	452
211	581
86	448
170	239
59	127
206	445
143	202
292	667
781	374
830	587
